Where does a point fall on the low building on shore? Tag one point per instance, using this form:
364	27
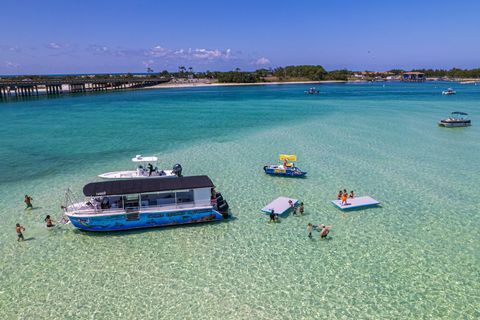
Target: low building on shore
413	76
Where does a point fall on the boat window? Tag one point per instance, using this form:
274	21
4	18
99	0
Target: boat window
158	199
185	196
130	201
115	202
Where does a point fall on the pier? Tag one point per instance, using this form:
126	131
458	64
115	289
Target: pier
56	86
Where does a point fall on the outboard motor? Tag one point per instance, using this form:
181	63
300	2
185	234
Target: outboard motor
222	205
177	170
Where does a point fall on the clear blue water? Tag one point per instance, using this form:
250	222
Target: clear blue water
417	256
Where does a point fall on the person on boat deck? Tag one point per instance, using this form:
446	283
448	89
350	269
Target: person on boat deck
48	222
105	204
285	163
351	194
339	195
28	201
150	169
213	193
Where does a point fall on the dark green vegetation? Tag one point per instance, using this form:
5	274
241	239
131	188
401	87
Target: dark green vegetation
289	73
452	73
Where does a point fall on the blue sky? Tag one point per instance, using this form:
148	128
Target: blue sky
50	37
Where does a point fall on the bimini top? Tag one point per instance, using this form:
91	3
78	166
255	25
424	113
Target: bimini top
139	158
133	186
460	113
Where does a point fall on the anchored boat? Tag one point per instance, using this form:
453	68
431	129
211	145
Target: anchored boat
146	167
448	92
143	203
456	119
287	169
312	90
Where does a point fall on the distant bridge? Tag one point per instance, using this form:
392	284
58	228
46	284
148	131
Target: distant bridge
55	86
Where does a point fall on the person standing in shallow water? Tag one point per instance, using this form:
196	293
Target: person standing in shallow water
272	216
309	229
19	229
302	208
28	201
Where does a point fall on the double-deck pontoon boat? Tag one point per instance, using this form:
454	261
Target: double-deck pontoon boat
456	119
142	203
288	169
146	167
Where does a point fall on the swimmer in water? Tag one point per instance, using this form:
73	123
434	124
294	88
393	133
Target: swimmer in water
48	222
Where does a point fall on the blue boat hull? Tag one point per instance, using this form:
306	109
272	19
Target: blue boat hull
284	173
128	221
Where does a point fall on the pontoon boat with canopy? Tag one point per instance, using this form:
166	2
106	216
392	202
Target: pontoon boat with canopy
456	119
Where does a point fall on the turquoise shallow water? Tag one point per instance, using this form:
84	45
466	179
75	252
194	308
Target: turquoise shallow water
417	256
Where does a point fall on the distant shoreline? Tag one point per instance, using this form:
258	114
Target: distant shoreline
217	84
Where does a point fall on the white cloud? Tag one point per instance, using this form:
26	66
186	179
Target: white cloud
201	54
148	63
158	51
207	54
10	64
262	61
54	45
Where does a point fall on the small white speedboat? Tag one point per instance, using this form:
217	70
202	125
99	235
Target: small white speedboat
449	91
146	167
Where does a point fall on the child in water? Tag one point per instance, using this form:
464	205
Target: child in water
309	229
302	208
19	230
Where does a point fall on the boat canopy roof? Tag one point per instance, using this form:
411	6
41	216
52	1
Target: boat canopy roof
134	186
288	157
139	158
460	113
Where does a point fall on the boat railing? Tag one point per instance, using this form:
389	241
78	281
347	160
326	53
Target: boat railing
178	206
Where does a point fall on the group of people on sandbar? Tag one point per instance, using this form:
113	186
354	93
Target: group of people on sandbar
323	229
344	196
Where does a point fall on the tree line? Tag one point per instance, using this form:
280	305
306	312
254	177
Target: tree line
288	73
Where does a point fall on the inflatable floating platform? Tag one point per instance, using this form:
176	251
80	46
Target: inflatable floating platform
357	202
279	205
